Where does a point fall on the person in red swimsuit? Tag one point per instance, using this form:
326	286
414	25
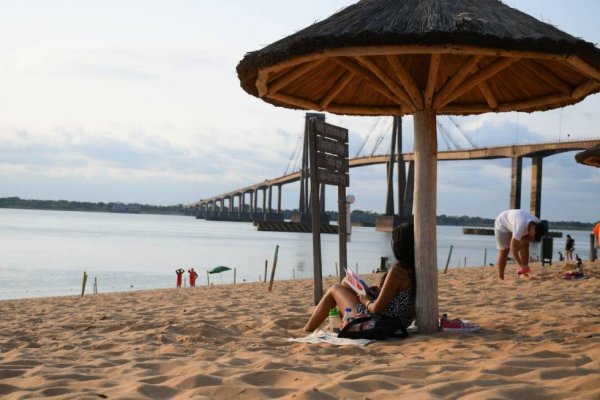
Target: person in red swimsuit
179	273
193	276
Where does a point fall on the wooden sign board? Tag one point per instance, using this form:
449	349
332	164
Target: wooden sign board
332	163
333	178
331	131
332	146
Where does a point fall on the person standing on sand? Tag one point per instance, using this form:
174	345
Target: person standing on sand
569	247
514	229
179	273
193	276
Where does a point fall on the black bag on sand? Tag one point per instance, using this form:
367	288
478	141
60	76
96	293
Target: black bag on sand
375	327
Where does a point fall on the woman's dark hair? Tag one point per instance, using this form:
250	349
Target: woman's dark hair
403	246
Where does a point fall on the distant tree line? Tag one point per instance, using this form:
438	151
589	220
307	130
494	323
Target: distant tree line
64	205
358	216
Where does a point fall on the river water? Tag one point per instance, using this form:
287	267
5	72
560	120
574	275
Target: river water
44	253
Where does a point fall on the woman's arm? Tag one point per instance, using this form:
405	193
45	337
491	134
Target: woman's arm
396	280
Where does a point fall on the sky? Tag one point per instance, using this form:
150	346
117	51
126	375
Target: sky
139	101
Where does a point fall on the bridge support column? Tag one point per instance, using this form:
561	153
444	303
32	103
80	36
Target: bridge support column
515	182
536	186
388	221
279	189
270	199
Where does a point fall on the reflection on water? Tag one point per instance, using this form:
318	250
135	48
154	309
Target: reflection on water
44	253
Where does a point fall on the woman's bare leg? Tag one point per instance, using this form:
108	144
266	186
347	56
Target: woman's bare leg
337	295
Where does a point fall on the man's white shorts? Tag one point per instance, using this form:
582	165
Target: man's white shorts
502	239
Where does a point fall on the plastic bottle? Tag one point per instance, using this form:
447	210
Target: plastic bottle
334	320
346	318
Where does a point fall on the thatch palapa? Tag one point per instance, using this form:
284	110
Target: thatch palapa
589	157
496	56
424	57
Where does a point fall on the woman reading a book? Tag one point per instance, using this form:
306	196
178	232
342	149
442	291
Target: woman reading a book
395	295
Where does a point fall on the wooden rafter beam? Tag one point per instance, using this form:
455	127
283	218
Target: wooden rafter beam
412	49
584	89
295	101
341	83
464	109
365	110
584	67
434	67
386	79
489	95
528	104
407	81
369	77
291	76
547	76
456	80
483	75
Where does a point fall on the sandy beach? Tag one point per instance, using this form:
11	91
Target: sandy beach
540	339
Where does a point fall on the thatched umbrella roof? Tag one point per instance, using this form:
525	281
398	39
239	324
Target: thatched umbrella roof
391	57
589	157
424	57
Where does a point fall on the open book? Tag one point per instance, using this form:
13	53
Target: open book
358	284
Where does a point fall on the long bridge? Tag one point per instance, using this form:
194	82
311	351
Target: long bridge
223	207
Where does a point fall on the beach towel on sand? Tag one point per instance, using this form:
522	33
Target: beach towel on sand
321	336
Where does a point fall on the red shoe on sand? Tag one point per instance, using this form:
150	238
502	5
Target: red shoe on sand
457	325
524	271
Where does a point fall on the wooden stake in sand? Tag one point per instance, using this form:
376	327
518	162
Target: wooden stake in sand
273	268
449	255
234	274
83	283
207	279
266	267
485	258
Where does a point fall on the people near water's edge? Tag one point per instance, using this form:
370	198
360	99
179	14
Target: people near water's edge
179	273
397	289
596	232
569	247
193	276
514	229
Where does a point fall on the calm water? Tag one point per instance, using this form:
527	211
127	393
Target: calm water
44	253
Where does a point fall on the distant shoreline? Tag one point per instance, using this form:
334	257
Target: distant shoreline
359	217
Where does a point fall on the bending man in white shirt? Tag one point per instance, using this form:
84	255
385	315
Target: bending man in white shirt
514	229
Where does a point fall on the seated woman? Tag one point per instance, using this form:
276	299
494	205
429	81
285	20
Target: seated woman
397	290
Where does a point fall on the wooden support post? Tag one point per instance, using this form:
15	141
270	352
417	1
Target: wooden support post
425	149
410	189
342	231
485	258
234	275
448	261
207	279
83	283
592	247
273	268
316	215
266	267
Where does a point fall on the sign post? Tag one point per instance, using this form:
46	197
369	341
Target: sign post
328	157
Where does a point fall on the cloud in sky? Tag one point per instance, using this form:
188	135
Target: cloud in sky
139	101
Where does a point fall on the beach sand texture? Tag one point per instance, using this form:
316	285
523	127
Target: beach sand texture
540	339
